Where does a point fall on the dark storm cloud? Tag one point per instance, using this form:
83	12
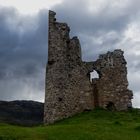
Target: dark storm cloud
23	54
108	17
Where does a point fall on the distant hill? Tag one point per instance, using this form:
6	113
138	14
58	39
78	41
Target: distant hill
25	113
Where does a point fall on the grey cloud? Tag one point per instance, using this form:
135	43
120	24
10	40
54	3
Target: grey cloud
23	54
109	17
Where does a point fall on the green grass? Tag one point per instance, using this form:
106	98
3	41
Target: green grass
95	125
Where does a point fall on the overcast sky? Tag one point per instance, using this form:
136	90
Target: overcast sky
101	25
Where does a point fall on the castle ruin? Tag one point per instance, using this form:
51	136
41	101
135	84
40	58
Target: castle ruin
69	89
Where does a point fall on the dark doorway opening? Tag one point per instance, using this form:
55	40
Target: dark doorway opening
110	106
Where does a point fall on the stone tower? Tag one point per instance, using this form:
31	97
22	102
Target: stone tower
68	86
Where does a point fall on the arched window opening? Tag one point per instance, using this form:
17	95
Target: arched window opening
93	75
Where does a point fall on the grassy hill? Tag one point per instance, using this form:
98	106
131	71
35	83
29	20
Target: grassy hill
95	125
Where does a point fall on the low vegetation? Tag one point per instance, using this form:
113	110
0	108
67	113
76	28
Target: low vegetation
93	125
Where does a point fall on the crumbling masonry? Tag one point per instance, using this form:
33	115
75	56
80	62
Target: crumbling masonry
68	86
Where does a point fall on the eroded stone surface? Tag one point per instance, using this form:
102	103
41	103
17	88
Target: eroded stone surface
112	84
68	86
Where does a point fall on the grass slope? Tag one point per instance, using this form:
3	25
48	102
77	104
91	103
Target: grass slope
95	125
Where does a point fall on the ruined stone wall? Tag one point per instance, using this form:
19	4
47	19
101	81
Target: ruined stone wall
112	84
68	87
